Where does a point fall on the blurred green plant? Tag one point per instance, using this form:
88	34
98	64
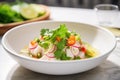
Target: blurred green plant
7	15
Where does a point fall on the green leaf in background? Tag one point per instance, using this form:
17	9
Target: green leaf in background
7	15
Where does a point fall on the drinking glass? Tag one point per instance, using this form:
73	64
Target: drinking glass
107	14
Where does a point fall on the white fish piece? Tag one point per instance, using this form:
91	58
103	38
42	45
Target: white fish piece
82	55
75	51
69	53
77	44
38	49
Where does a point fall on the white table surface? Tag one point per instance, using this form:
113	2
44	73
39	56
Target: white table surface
108	70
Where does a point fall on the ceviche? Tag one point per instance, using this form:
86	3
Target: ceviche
59	44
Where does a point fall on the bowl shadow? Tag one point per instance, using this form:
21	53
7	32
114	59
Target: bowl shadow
106	71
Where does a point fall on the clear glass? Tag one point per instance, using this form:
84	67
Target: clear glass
107	14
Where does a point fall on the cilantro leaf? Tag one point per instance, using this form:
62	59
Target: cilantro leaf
44	44
64	56
61	32
44	31
61	45
61	55
58	54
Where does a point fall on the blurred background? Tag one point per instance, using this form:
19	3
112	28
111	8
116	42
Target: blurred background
71	3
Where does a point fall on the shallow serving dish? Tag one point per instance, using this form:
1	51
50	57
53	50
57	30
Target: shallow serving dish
15	39
6	27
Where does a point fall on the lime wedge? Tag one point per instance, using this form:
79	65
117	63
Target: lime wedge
29	11
38	8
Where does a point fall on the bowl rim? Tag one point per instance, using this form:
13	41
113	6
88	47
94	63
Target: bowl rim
55	61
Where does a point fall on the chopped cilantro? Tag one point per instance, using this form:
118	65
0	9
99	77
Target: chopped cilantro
44	44
64	56
77	58
44	31
37	40
60	53
61	45
61	32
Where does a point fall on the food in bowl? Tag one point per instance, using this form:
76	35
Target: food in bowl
101	39
59	44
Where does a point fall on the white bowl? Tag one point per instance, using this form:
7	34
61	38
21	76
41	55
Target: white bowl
15	39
